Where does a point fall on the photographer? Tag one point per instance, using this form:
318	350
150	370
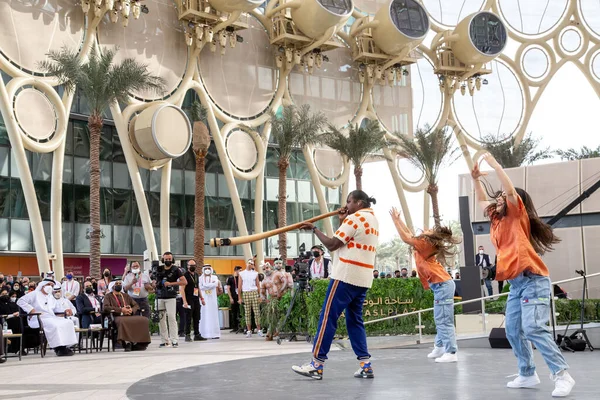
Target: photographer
137	285
319	265
168	279
351	277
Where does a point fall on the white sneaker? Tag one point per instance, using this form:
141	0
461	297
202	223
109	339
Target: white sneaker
524	381
260	333
249	334
437	352
563	384
447	358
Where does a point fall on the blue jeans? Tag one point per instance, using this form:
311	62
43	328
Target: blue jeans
443	315
527	313
488	285
340	297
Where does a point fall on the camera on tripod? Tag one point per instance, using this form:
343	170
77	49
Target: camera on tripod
302	267
159	275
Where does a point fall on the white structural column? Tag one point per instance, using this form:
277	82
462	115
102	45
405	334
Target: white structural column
18	152
165	190
226	165
314	176
58	161
136	180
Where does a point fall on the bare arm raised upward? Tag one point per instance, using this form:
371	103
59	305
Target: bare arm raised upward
405	233
507	185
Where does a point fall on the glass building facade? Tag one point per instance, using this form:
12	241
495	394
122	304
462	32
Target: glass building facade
120	220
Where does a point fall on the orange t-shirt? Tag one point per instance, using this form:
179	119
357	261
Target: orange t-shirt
510	235
428	267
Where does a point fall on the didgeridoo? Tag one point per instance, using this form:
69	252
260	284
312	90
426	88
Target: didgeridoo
219	242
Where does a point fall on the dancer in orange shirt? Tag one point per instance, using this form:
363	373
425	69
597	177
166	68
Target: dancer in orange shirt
428	246
519	236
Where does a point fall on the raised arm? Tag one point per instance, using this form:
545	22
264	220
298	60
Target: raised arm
480	195
405	233
507	185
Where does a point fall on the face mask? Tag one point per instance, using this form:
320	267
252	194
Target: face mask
480	251
57	295
13	299
192	268
16	287
316	253
404	273
31	288
107	274
135	271
69	276
47	289
118	288
168	263
268	272
89	290
207	272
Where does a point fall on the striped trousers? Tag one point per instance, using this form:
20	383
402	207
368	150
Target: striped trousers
341	297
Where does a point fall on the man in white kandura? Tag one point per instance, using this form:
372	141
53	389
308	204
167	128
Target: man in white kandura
209	313
62	304
58	331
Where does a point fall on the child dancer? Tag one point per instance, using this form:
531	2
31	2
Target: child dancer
519	235
428	246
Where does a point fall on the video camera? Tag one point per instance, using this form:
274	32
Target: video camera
302	267
158	274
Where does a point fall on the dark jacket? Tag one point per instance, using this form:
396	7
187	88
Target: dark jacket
478	260
326	263
85	308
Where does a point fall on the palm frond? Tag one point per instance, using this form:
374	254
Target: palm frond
296	127
100	80
574	154
360	143
198	111
428	151
510	155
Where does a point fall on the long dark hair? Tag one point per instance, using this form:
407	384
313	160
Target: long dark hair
359	195
443	242
542	236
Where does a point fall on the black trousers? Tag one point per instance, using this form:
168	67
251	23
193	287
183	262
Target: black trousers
235	315
192	315
182	315
500	286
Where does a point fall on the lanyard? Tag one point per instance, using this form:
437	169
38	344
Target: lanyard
122	299
93	301
315	267
194	278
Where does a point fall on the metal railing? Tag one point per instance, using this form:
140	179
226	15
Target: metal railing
480	299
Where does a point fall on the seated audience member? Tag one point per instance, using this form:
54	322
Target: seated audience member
59	332
9	308
88	306
62	304
133	330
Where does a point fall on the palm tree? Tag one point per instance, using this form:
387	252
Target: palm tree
394	252
102	84
429	150
297	127
201	143
573	154
361	142
510	154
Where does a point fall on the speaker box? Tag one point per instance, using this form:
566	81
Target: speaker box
498	339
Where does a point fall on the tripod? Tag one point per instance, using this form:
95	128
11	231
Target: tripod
580	334
299	294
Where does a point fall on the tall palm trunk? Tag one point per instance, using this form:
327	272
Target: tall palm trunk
283	165
432	189
95	124
199	209
358	171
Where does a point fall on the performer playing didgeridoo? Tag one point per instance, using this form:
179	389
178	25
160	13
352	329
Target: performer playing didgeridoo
351	277
429	245
519	235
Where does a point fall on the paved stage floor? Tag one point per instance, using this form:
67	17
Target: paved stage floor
400	374
239	368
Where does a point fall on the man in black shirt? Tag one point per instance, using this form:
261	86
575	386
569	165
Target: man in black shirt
168	279
232	291
192	297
